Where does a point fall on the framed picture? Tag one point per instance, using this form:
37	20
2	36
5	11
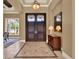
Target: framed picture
58	22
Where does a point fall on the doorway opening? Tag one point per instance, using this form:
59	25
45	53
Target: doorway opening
35	26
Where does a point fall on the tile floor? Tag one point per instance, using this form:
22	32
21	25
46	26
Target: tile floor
12	50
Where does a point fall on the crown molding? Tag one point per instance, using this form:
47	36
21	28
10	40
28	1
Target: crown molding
16	12
13	11
49	2
31	5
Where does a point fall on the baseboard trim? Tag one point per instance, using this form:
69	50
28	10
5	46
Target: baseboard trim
65	55
22	41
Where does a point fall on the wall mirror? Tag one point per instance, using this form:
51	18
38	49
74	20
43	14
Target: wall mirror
58	22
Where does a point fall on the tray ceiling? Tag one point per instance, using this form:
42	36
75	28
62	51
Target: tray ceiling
26	3
18	4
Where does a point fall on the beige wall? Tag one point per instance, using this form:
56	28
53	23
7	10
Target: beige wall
53	12
66	7
67	26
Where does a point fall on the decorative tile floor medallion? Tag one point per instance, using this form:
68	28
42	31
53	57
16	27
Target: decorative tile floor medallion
35	50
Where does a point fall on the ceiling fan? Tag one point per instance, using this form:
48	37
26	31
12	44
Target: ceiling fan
7	3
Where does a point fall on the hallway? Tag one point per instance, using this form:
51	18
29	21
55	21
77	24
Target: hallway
31	50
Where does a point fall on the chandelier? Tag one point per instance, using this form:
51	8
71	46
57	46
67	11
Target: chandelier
35	5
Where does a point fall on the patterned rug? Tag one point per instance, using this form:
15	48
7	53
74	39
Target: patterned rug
35	50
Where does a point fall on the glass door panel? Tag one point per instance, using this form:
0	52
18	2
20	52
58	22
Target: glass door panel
40	18
40	27
40	36
31	27
31	18
31	35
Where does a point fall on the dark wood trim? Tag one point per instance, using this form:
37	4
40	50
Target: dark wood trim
26	24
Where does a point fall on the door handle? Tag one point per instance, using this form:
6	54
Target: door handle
35	32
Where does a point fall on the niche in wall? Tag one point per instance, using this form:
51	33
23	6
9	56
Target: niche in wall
58	22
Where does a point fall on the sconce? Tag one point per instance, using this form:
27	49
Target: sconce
51	29
58	28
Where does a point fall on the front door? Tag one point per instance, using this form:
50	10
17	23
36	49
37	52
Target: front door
35	27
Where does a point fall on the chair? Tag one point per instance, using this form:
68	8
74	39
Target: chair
6	35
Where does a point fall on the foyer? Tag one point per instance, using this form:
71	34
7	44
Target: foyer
37	29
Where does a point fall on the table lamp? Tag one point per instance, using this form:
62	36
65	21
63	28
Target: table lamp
51	29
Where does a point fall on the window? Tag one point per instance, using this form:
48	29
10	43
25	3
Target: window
12	25
31	18
40	18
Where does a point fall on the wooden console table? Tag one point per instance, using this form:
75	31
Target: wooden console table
54	42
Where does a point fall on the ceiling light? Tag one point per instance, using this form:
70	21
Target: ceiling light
35	5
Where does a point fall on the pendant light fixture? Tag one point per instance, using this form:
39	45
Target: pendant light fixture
35	5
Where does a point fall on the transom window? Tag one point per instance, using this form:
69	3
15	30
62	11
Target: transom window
31	18
40	18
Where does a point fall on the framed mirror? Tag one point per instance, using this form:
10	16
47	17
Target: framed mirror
58	22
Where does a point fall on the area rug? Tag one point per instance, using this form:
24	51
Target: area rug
35	50
9	42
